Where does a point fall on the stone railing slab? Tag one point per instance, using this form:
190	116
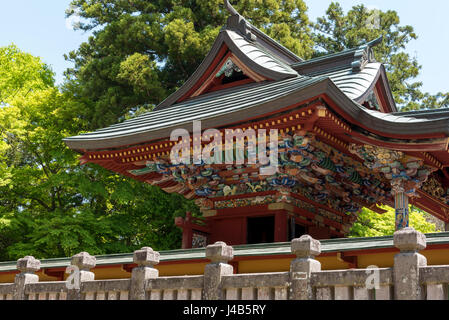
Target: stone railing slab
106	285
167	283
6	288
434	274
354	277
46	291
175	288
256	280
46	287
106	289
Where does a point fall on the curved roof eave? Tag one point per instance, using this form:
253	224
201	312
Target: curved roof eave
426	114
281	71
387	125
270	102
389	94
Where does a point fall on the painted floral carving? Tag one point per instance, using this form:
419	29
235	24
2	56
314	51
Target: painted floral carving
434	188
406	174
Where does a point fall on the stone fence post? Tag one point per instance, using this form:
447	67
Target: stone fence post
306	249
27	267
407	263
83	261
219	254
145	259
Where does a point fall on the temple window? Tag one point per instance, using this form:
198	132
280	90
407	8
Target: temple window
260	230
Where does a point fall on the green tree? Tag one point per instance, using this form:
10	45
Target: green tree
50	206
372	224
337	31
21	73
141	51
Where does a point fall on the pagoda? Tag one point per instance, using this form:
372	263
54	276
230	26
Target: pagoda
341	143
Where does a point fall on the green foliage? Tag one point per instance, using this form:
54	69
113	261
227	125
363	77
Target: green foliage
50	206
141	74
372	224
21	73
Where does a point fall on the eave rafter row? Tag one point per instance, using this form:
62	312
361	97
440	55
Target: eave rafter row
285	123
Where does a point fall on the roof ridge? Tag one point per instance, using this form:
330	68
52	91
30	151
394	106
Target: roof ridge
337	70
361	56
230	8
237	22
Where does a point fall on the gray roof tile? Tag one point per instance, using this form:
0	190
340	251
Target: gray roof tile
203	107
354	84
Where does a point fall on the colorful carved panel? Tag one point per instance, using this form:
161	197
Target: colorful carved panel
243	202
405	173
307	167
199	240
435	188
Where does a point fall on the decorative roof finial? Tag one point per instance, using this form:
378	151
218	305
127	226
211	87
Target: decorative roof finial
375	42
230	8
365	54
238	23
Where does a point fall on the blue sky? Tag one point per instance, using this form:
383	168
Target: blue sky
40	28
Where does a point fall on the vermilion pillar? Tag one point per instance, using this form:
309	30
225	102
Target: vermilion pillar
187	232
280	227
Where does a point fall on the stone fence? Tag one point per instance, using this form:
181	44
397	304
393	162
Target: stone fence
409	279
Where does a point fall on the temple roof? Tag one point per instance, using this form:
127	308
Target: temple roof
244	102
354	71
212	109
